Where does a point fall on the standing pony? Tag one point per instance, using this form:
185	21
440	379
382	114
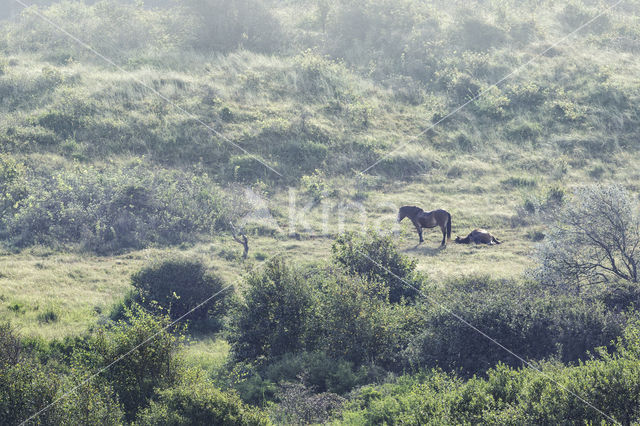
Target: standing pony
422	219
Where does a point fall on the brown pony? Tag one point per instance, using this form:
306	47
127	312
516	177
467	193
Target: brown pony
422	219
479	236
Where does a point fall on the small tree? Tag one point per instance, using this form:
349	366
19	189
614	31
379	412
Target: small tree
595	240
180	286
376	258
145	350
272	320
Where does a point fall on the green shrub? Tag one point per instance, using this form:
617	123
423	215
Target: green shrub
226	25
475	34
246	168
272	320
596	172
196	401
375	258
29	387
352	320
133	28
298	404
48	316
550	394
108	210
523	130
180	287
315	185
525	321
317	371
519	182
146	352
301	157
574	16
13	185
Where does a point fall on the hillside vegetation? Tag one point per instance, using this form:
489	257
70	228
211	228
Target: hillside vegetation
135	137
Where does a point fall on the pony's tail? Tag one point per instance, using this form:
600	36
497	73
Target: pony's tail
449	227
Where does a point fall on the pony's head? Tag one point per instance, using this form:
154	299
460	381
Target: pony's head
465	240
408	211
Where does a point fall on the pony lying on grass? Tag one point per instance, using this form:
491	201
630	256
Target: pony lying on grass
479	236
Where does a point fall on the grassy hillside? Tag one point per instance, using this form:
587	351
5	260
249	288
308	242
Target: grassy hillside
164	124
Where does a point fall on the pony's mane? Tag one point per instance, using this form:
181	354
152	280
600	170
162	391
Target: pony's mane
412	209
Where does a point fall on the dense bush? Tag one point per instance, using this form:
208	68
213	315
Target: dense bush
224	25
353	320
196	401
375	258
131	29
29	388
180	286
316	371
329	330
13	185
299	405
146	352
517	316
550	394
108	210
272	320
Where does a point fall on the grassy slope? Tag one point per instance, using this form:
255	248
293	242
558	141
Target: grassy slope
266	95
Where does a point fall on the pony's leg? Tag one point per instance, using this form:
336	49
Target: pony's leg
444	235
419	231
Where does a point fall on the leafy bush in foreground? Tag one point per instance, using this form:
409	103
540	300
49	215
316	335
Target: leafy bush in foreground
518	316
555	394
147	357
28	386
196	401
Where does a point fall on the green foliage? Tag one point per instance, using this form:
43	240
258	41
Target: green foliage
474	34
179	287
107	210
13	185
353	320
519	182
517	316
30	388
48	316
524	130
298	404
272	319
145	350
551	394
317	371
574	15
375	258
246	168
315	185
196	401
227	25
